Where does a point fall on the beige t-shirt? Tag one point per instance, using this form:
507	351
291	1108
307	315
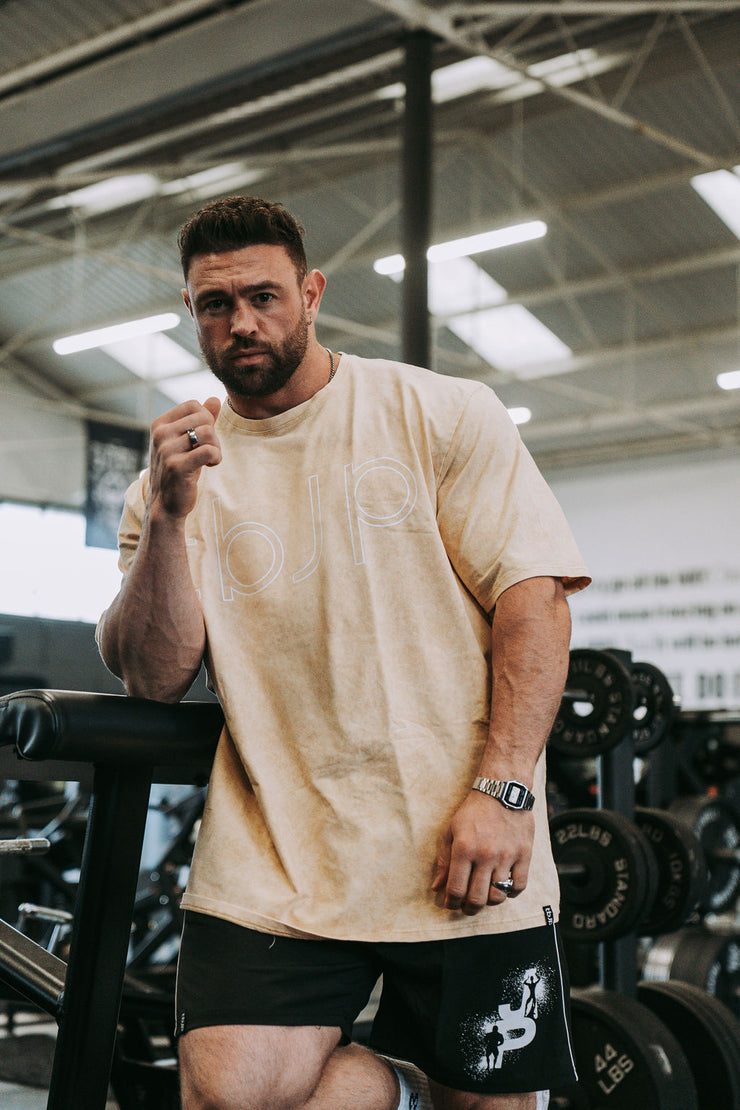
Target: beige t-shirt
348	553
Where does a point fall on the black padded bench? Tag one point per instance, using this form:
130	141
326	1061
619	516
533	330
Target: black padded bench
125	744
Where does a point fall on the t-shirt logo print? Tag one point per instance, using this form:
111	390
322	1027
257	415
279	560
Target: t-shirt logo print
493	1040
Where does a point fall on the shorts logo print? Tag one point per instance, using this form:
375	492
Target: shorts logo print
493	1040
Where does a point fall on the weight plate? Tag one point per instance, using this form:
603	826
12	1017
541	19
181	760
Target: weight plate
709	1035
596	710
604	874
654	706
682	872
626	1058
716	825
708	960
731	793
652	871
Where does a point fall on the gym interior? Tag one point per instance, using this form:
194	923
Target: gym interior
542	196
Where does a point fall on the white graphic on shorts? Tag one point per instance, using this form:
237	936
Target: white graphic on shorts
491	1041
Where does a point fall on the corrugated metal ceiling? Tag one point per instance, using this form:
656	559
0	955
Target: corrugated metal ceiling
636	273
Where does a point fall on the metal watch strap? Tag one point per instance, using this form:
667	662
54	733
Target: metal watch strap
511	793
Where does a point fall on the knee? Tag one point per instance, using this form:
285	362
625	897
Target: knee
220	1094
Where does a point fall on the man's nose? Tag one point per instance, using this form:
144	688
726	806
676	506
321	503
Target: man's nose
243	319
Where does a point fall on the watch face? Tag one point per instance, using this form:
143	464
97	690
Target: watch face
515	794
512	793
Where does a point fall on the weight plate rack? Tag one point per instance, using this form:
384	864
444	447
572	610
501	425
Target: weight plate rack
648	856
626	1057
710	1043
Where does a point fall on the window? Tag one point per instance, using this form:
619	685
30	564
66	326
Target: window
47	571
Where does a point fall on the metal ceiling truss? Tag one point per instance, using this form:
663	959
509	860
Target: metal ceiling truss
461	29
504	9
442	23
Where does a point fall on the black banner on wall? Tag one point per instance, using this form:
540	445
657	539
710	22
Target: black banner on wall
115	457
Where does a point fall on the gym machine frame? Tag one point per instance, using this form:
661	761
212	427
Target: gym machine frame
129	743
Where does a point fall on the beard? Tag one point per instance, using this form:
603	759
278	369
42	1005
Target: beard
276	366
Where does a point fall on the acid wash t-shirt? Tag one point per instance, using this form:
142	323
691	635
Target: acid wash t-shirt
348	554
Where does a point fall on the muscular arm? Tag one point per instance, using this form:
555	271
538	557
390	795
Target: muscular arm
530	641
153	636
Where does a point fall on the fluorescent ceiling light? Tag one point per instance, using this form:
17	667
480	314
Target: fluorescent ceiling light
217	179
469	76
565	69
481	73
140	346
122	189
471	244
105	196
152	356
392	265
456	286
510	338
177	373
721	190
471	305
730	380
85	341
520	415
460	285
488	241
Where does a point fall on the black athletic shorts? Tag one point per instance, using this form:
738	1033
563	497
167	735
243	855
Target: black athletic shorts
483	1013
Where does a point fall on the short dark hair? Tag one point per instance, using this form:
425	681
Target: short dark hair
235	222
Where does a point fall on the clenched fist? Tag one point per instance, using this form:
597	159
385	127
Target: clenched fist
175	460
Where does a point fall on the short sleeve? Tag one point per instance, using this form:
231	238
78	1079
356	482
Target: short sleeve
132	517
499	520
129	533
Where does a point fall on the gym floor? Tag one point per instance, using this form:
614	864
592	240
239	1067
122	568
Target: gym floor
15	1097
32	1095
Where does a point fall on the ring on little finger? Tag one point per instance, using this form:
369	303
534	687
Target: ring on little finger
506	885
192	437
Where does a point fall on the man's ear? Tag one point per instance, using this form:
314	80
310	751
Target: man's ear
186	299
313	290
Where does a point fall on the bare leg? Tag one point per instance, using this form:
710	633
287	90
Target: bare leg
238	1067
446	1099
355	1079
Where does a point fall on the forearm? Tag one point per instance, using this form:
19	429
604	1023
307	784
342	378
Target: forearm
486	842
153	636
529	665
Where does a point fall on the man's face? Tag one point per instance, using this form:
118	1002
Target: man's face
250	317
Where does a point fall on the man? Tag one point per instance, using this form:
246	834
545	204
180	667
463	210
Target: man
374	572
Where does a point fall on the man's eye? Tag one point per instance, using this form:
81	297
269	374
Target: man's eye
264	298
214	305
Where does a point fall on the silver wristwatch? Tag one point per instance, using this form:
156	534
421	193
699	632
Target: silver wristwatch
512	794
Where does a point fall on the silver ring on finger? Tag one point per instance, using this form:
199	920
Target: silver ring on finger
194	441
506	885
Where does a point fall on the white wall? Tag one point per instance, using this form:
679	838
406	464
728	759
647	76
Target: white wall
662	540
42	453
